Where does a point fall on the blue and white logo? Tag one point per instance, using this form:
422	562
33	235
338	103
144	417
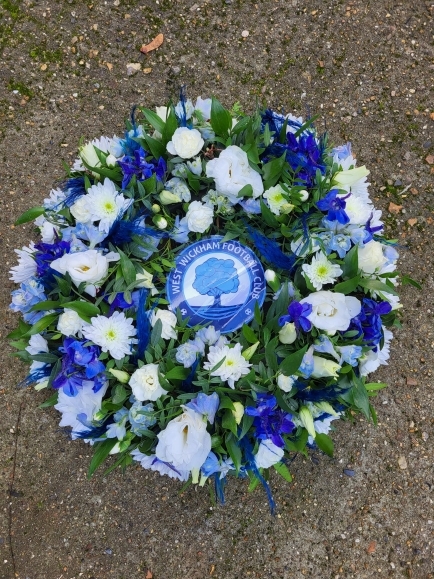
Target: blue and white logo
216	283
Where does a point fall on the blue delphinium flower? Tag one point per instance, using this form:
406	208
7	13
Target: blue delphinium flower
350	354
306	366
297	314
335	206
137	165
341	152
340	243
118	428
270	421
213	465
368	323
325	346
30	293
140	418
205	405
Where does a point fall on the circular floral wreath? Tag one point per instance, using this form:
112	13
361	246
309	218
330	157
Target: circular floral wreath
147	310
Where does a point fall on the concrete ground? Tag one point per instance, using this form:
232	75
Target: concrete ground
367	67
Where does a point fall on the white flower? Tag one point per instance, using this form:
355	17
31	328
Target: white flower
204	106
302	247
233	367
371	361
323	426
185	442
85	266
86	402
81	210
46	229
231	172
145	279
268	454
186	143
304	195
145	383
208	335
349	177
179	188
113	334
199	217
188	106
69	323
286	383
323	368
276	200
321	271
332	311
37	345
238	412
371	256
357	209
105	204
168	197
88	155
55	199
288	333
26	267
111	161
195	166
151	462
168	319
162	113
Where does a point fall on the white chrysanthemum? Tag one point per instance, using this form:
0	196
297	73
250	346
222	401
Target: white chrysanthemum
373	360
26	267
105	204
114	334
233	367
357	209
55	199
276	200
321	271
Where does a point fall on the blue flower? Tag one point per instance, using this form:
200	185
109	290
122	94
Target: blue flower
139	417
342	152
325	346
340	243
298	314
270	421
213	465
137	165
206	405
350	354
117	429
48	252
335	207
306	366
368	323
180	231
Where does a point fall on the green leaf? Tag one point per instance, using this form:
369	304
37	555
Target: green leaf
150	184
29	215
273	170
170	127
19	332
50	401
378	286
351	263
375	386
348	286
249	334
246	191
306	125
283	470
233	449
292	363
45	358
407	280
102	450
177	373
154	120
46	305
156	332
119	395
246	423
41	324
228	422
221	120
360	395
268	216
226	402
258	314
85	310
156	147
128	269
270	354
324	443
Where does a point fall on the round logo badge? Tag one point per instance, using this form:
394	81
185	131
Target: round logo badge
218	283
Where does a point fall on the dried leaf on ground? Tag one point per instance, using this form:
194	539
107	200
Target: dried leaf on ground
393	208
371	547
412	221
430	159
149	574
158	41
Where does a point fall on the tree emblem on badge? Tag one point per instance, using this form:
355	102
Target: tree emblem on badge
215	277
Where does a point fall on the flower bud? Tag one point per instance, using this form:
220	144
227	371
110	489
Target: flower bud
156	208
350	176
122	376
272	279
159	221
238	412
323	368
326	407
288	334
167	197
111	161
248	352
304	195
306	419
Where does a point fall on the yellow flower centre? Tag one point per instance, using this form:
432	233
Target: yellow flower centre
111	335
322	270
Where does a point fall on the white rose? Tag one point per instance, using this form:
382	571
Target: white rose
145	384
231	172
268	454
286	383
69	323
185	143
371	256
84	266
288	333
323	368
332	311
81	210
168	319
185	442
199	217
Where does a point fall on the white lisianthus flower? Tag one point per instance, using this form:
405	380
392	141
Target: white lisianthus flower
323	368
268	454
231	172
371	257
168	319
199	217
185	442
204	106
288	333
186	143
321	271
113	334
151	462
85	266
26	267
146	281
106	204
304	195
162	112
88	155
286	383
371	361
346	178
276	200
81	210
69	323
120	375
233	367
145	384
111	161
332	311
